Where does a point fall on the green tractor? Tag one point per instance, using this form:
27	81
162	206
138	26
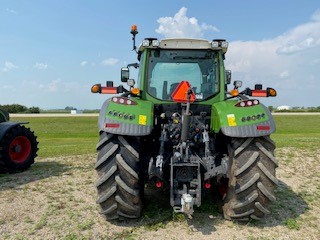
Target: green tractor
183	131
18	145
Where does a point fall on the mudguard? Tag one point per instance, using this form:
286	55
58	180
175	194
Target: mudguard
126	116
233	121
4	116
6	126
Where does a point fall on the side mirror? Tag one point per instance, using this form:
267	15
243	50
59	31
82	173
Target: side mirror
228	76
124	74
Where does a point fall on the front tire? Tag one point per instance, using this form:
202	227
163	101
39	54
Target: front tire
119	184
251	179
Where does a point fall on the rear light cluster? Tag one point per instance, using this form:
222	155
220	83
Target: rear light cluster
253	117
124	101
125	116
248	103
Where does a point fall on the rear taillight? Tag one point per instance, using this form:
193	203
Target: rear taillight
263	127
112	125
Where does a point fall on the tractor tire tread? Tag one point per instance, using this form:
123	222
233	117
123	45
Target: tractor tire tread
252	178
118	184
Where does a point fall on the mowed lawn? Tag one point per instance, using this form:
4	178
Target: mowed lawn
300	131
64	136
56	197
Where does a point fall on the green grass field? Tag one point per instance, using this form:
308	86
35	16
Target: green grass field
64	136
301	131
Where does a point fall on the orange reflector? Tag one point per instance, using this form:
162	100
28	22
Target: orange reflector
259	93
112	125
263	127
180	94
271	92
135	91
234	92
134	28
109	90
96	88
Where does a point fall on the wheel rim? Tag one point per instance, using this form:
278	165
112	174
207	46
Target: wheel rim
19	149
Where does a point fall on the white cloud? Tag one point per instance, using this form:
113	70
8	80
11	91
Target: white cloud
40	66
316	16
301	38
181	26
8	66
52	86
110	62
284	74
289	62
8	87
83	63
11	11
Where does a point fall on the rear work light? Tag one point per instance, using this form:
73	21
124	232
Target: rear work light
248	103
145	43
155	43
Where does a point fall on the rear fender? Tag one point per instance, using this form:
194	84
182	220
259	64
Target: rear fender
135	119
6	126
253	121
4	116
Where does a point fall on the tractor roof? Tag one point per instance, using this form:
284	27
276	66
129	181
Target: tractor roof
183	43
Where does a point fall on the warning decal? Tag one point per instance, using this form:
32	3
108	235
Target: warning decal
231	120
142	119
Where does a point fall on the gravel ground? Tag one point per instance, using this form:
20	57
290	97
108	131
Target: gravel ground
55	199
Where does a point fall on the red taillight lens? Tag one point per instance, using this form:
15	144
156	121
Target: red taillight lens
109	90
259	93
263	127
112	125
159	184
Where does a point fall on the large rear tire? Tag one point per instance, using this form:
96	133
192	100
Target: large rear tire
119	184
251	179
18	149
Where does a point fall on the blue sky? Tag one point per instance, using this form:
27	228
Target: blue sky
52	52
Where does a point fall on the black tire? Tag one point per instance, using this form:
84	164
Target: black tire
119	184
18	149
251	179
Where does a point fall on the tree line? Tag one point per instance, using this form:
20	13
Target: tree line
296	109
17	108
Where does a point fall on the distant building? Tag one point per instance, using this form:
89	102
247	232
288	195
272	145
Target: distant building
76	111
284	108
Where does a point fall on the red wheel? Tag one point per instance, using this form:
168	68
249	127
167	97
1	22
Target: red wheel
19	149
